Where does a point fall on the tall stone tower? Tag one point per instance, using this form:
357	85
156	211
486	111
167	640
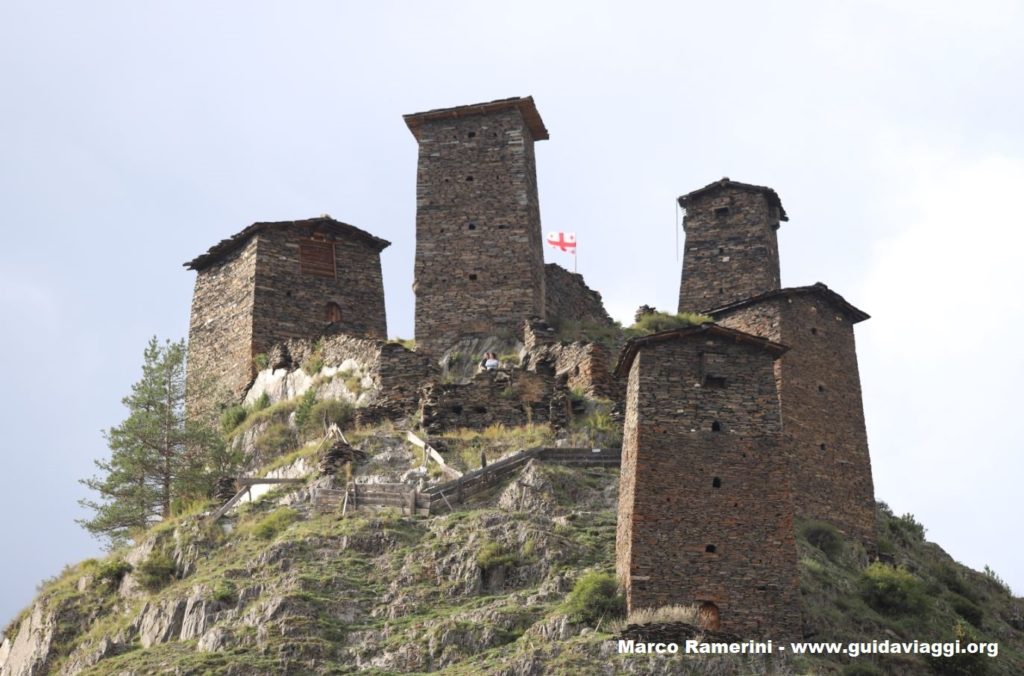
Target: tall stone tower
732	247
821	402
731	272
275	281
705	511
479	249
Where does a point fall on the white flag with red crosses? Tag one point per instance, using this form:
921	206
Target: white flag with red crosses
566	241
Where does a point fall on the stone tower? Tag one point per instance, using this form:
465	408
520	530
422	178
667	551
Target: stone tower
732	247
731	272
820	395
479	250
275	281
705	510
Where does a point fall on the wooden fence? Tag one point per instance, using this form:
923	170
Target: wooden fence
442	497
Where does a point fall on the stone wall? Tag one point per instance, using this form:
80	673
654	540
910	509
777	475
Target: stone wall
705	500
587	367
568	298
291	303
479	260
220	332
731	250
397	374
822	407
511	398
262	286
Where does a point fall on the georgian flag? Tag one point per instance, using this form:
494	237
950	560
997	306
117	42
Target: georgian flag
566	241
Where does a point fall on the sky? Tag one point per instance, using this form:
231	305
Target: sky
134	135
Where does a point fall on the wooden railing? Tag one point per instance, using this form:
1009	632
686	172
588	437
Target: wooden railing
443	497
246	484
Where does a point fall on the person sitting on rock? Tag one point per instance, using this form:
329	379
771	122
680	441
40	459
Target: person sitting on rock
490	361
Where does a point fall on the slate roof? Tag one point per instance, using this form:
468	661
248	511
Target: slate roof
525	105
856	315
226	247
773	197
634	345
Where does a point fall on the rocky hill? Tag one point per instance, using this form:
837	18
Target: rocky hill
507	582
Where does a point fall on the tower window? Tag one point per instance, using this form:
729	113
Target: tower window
472	276
822	446
710	549
716	426
469	178
714	381
316	257
814	331
471	134
716	483
721	212
332	313
471	226
821	388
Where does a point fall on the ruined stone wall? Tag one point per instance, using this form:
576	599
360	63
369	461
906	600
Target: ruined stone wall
479	260
731	251
587	367
707	516
398	374
570	299
822	408
292	303
220	332
511	398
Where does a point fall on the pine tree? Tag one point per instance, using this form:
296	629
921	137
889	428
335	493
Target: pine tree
157	457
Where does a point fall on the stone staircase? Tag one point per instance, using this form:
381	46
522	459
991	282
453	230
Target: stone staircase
442	497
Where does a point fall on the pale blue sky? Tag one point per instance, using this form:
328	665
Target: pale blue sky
133	135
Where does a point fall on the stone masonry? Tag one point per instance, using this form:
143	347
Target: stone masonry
479	252
705	500
511	397
819	391
586	366
732	248
731	271
570	299
276	281
397	374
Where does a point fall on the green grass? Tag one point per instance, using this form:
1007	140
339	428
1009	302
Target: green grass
324	413
493	554
663	321
315	361
156	572
268	527
277	412
407	343
278	438
465	445
595	598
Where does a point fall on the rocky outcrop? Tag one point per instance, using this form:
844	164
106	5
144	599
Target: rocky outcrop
29	653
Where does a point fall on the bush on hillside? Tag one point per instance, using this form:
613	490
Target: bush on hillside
825	537
156	572
324	413
892	591
595	598
277	438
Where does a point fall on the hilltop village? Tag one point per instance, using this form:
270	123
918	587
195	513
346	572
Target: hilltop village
390	506
733	425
